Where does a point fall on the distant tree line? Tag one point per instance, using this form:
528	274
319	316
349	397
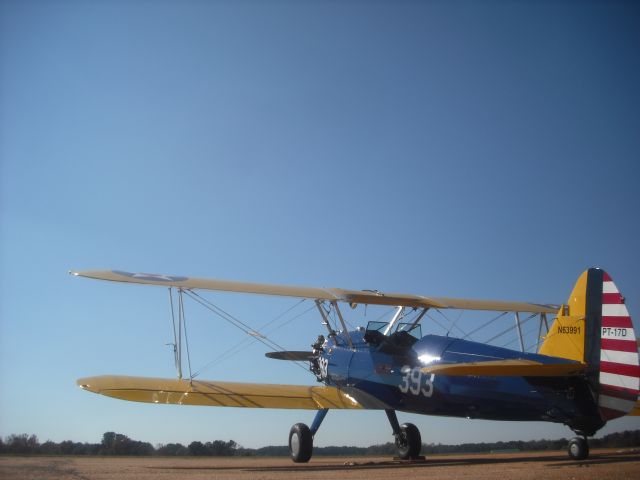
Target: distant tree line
113	444
118	444
626	439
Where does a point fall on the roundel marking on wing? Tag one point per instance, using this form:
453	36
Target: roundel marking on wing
151	277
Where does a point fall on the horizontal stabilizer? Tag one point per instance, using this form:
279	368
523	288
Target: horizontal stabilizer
290	355
507	368
218	394
365	297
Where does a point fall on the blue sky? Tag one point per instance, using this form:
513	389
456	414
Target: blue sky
484	150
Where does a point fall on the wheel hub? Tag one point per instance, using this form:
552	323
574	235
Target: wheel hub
295	444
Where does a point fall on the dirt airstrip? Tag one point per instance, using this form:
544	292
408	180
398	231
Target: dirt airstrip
602	465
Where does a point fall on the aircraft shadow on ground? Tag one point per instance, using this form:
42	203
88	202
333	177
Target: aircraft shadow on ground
554	461
453	461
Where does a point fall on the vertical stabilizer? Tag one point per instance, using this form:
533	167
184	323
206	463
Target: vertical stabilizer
595	328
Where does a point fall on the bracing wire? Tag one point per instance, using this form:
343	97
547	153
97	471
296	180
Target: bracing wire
526	334
386	313
236	323
455	322
484	325
513	327
452	323
347	323
232	320
248	341
437	323
312	307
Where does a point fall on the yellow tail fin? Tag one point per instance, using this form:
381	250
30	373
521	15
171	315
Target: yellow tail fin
566	338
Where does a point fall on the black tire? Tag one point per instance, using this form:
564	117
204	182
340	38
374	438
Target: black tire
578	448
300	443
409	442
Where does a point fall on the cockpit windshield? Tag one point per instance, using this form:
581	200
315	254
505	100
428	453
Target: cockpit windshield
413	330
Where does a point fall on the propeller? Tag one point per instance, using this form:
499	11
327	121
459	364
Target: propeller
296	356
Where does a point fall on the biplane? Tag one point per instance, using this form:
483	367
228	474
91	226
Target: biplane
584	373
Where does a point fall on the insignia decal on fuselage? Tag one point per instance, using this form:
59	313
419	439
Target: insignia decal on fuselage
383	368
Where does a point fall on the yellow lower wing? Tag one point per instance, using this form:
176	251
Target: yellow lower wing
507	368
218	394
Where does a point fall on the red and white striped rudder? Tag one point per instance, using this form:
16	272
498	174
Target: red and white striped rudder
619	366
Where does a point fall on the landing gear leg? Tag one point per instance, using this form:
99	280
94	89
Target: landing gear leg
579	448
408	441
301	438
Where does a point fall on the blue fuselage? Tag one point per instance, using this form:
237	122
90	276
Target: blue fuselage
388	375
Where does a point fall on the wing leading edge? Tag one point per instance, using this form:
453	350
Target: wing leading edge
218	394
331	294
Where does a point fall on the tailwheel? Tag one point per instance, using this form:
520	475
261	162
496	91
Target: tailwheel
578	448
300	443
408	442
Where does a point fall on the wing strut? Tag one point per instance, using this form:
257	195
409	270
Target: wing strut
177	354
418	318
344	325
519	328
181	317
326	323
543	321
177	334
396	317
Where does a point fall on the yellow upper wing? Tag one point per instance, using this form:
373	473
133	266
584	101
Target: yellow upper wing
331	294
507	368
219	394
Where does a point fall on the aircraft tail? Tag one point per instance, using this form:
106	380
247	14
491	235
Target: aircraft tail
595	328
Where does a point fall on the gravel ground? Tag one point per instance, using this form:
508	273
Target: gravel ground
602	465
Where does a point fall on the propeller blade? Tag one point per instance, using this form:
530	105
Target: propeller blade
291	355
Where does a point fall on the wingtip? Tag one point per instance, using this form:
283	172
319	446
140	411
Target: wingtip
83	383
90	384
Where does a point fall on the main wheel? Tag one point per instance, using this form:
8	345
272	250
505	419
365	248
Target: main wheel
408	442
300	443
578	448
